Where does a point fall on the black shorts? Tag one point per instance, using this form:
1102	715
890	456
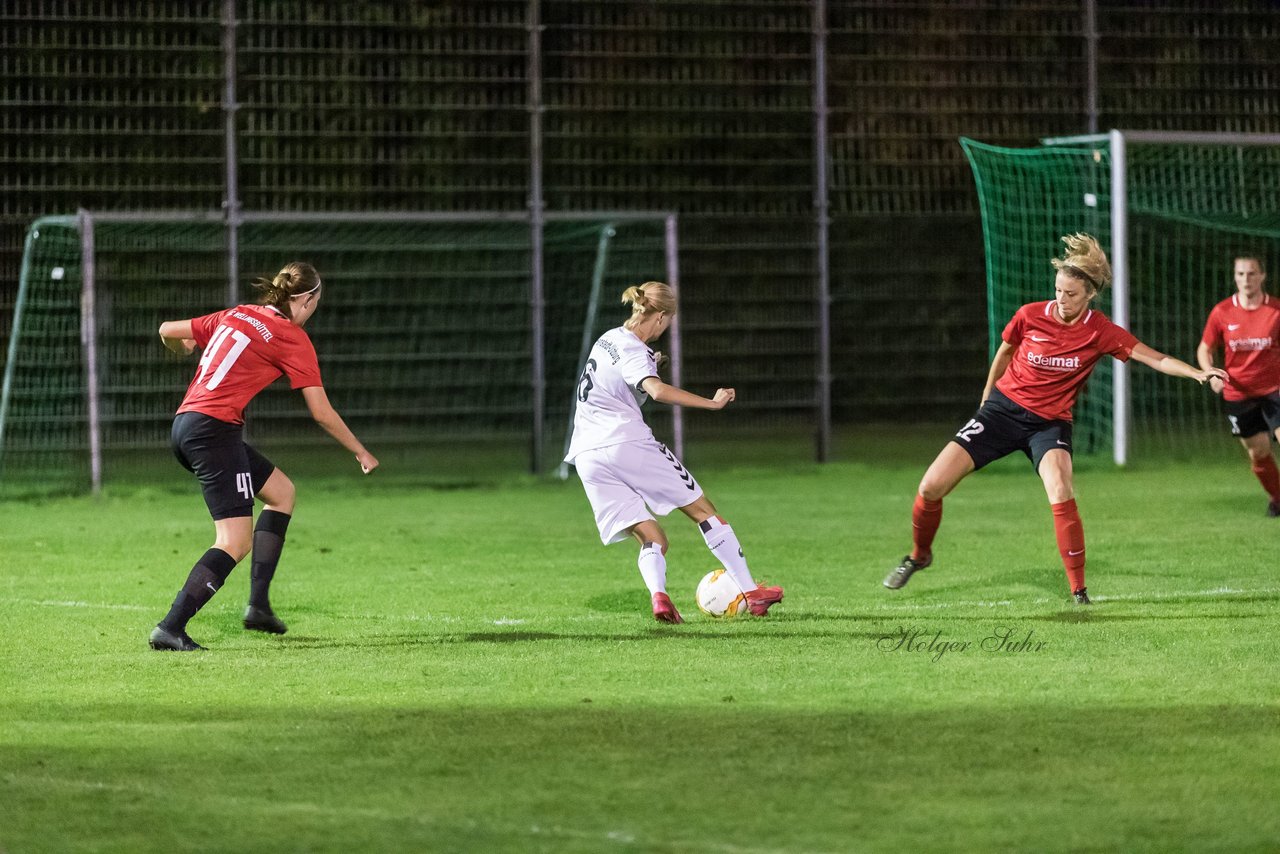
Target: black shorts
1000	427
1253	416
230	471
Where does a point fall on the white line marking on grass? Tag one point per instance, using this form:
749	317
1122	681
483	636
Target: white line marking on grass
959	603
1045	600
508	621
411	618
1215	591
622	837
70	603
238	803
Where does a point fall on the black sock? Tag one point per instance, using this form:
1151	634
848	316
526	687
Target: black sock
206	577
268	541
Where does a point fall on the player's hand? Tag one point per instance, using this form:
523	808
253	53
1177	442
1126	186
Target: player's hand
661	359
368	462
723	397
1213	374
1216	385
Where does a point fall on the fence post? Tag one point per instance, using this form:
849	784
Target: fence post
1120	291
537	298
89	343
822	227
231	204
671	248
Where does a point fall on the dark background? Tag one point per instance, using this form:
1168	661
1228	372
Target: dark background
704	108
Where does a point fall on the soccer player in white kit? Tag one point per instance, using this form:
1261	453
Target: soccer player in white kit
628	474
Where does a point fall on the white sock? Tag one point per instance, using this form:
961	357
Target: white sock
653	567
723	543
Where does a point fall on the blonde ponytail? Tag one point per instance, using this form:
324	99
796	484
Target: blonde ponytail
1084	259
646	299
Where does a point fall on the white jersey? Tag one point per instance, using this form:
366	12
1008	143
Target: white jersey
609	394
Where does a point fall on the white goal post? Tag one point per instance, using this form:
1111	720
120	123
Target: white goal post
1119	144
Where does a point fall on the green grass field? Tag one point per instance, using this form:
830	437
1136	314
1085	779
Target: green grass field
467	669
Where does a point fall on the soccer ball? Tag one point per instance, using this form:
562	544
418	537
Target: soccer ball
720	596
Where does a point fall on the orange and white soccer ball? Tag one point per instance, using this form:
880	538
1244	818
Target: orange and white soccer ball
720	596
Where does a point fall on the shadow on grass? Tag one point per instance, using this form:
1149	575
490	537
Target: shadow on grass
700	634
590	775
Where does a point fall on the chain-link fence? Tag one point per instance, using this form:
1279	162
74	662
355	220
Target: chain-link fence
706	109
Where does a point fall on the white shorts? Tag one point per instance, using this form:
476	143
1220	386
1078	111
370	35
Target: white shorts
621	479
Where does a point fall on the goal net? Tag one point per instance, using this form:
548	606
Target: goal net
426	336
1173	211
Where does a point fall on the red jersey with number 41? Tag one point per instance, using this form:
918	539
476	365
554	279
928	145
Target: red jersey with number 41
246	348
1250	341
1052	360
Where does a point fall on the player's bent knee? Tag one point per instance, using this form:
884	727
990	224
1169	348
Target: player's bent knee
936	489
1258	451
931	491
278	492
238	549
234	535
699	510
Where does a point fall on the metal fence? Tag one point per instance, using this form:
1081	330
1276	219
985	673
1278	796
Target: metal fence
427	340
719	110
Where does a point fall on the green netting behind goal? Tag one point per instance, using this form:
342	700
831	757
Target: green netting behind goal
424	335
1190	210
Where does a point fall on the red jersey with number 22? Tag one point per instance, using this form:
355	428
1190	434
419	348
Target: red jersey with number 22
246	348
1052	360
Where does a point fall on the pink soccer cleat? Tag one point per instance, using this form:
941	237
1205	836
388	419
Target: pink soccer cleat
760	599
664	611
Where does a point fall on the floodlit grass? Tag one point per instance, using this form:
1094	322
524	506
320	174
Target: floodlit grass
468	669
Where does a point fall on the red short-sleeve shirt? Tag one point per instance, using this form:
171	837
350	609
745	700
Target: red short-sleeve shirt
246	348
1052	360
1250	342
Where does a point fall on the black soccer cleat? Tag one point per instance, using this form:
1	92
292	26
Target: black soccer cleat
1081	596
263	620
909	567
163	639
1273	509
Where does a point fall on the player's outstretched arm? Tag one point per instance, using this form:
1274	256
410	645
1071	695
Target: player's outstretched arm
1174	367
666	393
178	337
328	418
1000	364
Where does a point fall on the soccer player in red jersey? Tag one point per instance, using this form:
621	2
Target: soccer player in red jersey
246	348
1045	356
1246	326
